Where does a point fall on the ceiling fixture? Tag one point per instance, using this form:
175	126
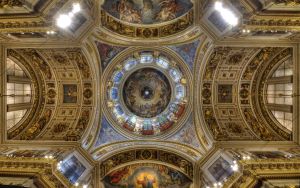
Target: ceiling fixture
226	14
235	166
246	31
65	20
50	32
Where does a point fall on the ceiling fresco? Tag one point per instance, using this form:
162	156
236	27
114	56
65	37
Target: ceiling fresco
149	93
146	175
147	11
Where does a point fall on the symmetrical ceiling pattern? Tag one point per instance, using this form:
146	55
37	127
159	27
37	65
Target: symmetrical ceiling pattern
149	93
232	94
64	94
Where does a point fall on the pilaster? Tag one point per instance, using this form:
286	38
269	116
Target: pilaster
296	99
2	92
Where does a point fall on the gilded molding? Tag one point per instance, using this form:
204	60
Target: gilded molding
43	169
259	99
252	170
146	32
147	155
11	3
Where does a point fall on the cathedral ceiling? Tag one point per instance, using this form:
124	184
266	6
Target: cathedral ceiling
33	20
64	100
159	87
265	19
231	93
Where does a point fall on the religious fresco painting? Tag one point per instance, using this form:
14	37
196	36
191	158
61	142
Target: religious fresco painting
70	93
147	11
220	169
107	134
146	176
107	53
72	169
187	134
147	92
225	93
187	52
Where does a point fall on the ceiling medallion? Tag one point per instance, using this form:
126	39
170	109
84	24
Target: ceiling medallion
146	94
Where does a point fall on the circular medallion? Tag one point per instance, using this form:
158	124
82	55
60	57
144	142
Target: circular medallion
147	92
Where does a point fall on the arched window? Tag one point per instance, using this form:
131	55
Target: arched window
280	93
18	93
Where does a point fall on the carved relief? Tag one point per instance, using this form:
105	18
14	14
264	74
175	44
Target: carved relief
263	56
245	93
34	130
80	60
213	125
51	93
235	59
206	93
215	59
11	3
259	129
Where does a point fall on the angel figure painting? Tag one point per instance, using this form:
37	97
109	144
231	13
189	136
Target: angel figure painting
147	11
146	176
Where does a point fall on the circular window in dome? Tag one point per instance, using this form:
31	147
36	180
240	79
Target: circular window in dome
147	93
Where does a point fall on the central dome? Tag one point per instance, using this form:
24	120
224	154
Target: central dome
147	92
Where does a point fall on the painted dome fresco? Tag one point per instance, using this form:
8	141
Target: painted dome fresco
147	93
147	11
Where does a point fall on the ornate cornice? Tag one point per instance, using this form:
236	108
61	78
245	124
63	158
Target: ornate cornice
252	170
43	169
